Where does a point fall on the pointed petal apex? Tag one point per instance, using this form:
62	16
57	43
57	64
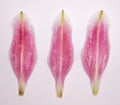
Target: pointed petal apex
63	17
21	16
100	15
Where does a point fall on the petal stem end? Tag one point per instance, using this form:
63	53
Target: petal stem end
95	91
95	87
59	91
21	89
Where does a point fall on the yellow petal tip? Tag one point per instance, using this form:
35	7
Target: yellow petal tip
21	16
63	16
95	91
100	15
21	89
59	92
95	87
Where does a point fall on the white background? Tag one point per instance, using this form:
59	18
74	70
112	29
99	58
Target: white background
40	89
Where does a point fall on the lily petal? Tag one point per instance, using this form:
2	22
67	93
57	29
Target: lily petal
61	53
23	53
96	50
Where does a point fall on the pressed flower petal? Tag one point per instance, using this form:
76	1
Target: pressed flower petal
61	53
23	54
96	50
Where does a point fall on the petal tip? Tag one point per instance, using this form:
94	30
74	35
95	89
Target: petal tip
63	16
100	15
95	87
95	91
21	16
21	89
59	92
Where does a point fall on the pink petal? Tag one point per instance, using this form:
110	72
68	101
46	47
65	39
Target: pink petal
23	54
96	50
61	53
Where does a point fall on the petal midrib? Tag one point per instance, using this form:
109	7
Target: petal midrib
61	44
97	46
22	44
